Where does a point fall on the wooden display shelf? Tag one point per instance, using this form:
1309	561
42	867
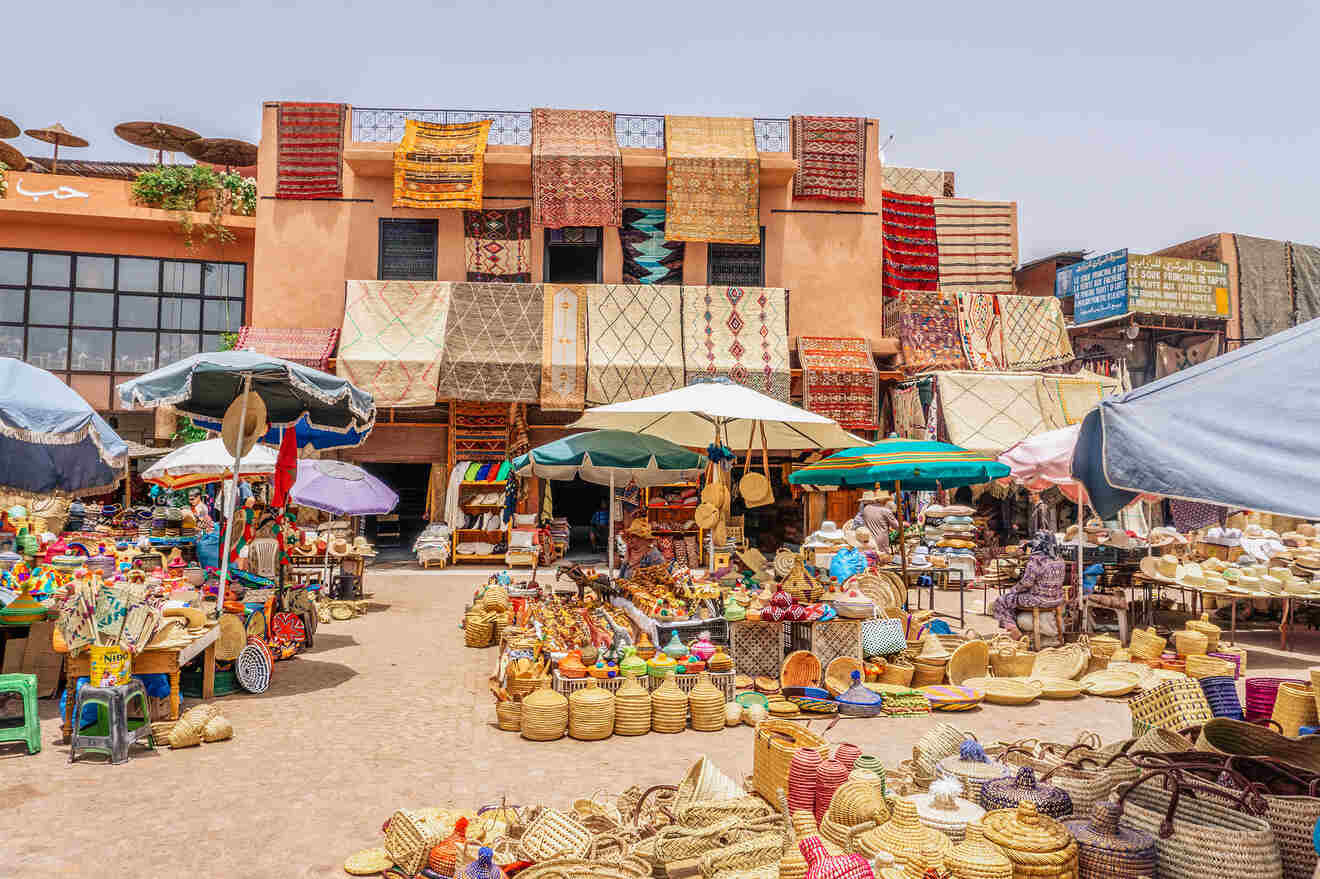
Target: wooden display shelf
661	520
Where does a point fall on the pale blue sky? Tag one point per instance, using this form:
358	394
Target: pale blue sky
1113	125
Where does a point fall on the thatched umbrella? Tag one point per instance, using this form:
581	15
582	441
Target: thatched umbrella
12	158
58	135
8	128
158	136
222	151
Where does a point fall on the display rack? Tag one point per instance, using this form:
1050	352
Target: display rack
665	521
483	535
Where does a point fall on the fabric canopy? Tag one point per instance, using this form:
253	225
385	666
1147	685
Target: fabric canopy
51	440
342	489
1240	430
1044	460
598	454
207	461
920	465
688	416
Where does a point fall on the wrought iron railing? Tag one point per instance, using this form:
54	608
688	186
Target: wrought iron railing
385	125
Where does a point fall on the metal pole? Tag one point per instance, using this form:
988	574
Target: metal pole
609	537
1081	598
902	540
231	501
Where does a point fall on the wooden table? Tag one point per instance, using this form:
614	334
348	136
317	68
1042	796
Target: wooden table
167	662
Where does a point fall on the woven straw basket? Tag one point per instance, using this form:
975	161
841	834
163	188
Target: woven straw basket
591	713
409	837
632	709
1146	644
544	715
1066	662
1190	643
897	671
927	674
706	704
1207	628
1038	846
1294	707
801	668
776	742
669	707
974	858
1011	659
508	715
1200	666
1175	704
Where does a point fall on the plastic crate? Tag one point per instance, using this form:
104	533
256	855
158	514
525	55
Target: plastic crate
722	680
689	630
190	683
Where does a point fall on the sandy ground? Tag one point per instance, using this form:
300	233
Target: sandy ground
391	711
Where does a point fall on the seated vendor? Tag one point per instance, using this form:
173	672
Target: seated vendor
639	549
1041	584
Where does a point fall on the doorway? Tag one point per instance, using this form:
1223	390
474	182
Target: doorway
573	255
409	481
578	502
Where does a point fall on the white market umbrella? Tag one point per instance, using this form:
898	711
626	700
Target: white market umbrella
690	416
208	461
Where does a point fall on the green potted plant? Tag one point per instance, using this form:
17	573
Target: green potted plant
4	183
174	187
242	192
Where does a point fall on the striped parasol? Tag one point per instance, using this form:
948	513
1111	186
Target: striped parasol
920	465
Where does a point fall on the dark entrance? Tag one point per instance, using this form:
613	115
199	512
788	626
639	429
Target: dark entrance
578	502
572	255
409	482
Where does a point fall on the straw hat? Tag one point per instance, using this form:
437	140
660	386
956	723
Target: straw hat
877	495
362	547
253	424
641	528
338	547
707	516
232	637
860	538
1164	569
830	532
932	649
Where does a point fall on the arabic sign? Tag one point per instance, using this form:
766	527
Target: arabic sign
59	194
1099	286
1167	285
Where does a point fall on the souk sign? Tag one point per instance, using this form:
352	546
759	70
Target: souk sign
1121	283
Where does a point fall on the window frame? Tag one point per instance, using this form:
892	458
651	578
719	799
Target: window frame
710	263
547	251
385	222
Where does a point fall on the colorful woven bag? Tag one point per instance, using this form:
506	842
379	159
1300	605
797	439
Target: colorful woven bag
882	637
1175	704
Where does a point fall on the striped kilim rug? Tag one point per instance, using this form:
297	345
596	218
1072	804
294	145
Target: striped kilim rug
647	257
310	346
440	166
493	343
911	259
712	180
564	348
635	341
497	245
392	339
740	333
977	245
577	169
310	158
481	431
839	380
831	156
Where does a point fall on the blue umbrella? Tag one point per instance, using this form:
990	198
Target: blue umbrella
51	440
306	435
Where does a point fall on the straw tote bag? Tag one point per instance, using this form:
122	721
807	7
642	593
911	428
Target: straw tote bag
1201	830
755	487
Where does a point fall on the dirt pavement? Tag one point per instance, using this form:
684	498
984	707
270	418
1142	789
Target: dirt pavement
391	711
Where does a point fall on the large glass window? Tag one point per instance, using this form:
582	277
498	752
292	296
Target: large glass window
73	312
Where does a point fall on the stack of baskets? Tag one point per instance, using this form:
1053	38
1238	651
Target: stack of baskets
479	628
591	713
1190	642
706	703
931	663
669	707
632	708
1207	628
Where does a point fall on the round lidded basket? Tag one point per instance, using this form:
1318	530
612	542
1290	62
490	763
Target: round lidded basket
669	706
903	836
591	713
1009	793
1038	846
508	715
706	702
1146	644
632	708
1107	851
944	810
976	858
544	714
1207	628
1190	643
972	768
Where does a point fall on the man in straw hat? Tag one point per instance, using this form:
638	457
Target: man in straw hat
877	516
639	549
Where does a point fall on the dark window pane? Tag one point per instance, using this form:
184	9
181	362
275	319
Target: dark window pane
407	250
93	309
221	279
13	266
139	275
97	272
11	306
138	311
210	343
91	351
225	316
11	342
176	346
51	269
49	307
48	348
180	314
183	277
135	352
737	265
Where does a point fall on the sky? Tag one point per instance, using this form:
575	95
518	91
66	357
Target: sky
1112	125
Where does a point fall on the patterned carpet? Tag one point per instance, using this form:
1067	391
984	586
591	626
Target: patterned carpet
635	341
564	348
928	332
831	156
981	329
738	332
977	245
311	346
392	339
987	412
440	166
647	257
493	343
310	157
839	380
911	259
917	181
909	417
577	170
712	177
497	245
481	430
1035	335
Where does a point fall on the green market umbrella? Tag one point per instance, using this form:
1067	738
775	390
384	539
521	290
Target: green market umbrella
915	465
607	456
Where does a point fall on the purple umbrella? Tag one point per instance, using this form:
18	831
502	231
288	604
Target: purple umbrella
342	489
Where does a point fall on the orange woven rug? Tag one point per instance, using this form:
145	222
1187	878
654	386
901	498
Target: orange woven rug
840	380
831	156
713	180
577	170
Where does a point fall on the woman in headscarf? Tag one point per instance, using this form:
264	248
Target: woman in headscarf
1041	584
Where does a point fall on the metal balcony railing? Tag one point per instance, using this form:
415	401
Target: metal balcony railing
385	125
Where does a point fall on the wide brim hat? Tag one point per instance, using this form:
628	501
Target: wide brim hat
933	650
252	421
362	547
876	494
640	528
830	531
1150	567
338	547
860	538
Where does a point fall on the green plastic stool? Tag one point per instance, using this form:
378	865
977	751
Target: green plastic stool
27	729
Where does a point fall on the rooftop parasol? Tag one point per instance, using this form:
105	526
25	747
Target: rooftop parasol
58	135
8	128
222	151
158	136
12	158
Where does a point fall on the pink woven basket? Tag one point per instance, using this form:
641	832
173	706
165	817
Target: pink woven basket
1261	693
